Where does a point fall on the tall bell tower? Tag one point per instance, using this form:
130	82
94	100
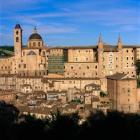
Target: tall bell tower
17	40
17	47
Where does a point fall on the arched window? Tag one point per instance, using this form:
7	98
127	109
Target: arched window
17	39
34	44
16	32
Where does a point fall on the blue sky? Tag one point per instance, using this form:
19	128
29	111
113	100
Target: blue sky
71	22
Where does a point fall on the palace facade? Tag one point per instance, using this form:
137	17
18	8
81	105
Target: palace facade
40	68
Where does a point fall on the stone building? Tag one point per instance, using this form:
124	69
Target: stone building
122	92
40	68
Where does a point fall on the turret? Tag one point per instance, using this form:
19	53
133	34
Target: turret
100	42
119	42
100	56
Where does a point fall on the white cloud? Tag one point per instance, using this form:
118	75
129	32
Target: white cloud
68	16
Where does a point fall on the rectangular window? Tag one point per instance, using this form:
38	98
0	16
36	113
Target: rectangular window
24	65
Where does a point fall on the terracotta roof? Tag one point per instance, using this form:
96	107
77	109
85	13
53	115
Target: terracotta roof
107	47
120	76
37	110
54	92
70	106
68	78
75	47
26	85
93	85
95	98
39	92
116	76
35	77
7	75
131	46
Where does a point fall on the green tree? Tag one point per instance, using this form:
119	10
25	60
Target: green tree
138	67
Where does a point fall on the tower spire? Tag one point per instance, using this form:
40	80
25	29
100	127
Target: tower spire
100	42
100	38
119	42
119	39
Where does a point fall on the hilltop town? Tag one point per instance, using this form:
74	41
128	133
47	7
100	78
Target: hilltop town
40	79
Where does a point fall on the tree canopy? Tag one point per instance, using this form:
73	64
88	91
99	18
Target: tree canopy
111	126
138	66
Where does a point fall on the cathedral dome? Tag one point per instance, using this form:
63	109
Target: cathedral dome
35	40
35	36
